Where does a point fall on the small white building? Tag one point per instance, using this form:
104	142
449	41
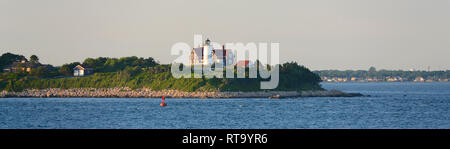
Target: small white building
80	71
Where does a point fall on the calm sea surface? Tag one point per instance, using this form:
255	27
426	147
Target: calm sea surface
390	105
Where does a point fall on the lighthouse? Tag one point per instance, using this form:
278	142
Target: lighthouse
207	52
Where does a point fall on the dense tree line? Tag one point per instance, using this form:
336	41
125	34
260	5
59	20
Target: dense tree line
8	58
373	73
101	64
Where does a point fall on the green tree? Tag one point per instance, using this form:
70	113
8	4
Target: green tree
40	72
372	72
96	63
372	69
65	70
8	58
34	59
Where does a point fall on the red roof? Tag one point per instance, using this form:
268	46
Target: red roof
243	63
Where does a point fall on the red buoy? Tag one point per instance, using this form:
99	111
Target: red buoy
163	104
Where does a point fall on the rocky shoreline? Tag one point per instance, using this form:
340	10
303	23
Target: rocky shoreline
124	92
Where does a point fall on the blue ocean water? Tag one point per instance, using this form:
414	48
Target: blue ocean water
390	105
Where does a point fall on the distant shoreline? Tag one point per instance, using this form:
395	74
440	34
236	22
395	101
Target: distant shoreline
148	93
384	82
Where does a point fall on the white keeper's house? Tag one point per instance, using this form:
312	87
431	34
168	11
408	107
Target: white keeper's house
81	70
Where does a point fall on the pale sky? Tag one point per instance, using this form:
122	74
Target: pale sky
320	34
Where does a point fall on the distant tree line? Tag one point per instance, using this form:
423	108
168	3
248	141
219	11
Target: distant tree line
380	74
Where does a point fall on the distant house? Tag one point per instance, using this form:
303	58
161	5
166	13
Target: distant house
22	66
82	70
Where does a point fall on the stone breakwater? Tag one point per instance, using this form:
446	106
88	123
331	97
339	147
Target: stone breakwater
124	92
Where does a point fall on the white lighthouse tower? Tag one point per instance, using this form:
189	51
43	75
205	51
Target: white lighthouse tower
207	53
